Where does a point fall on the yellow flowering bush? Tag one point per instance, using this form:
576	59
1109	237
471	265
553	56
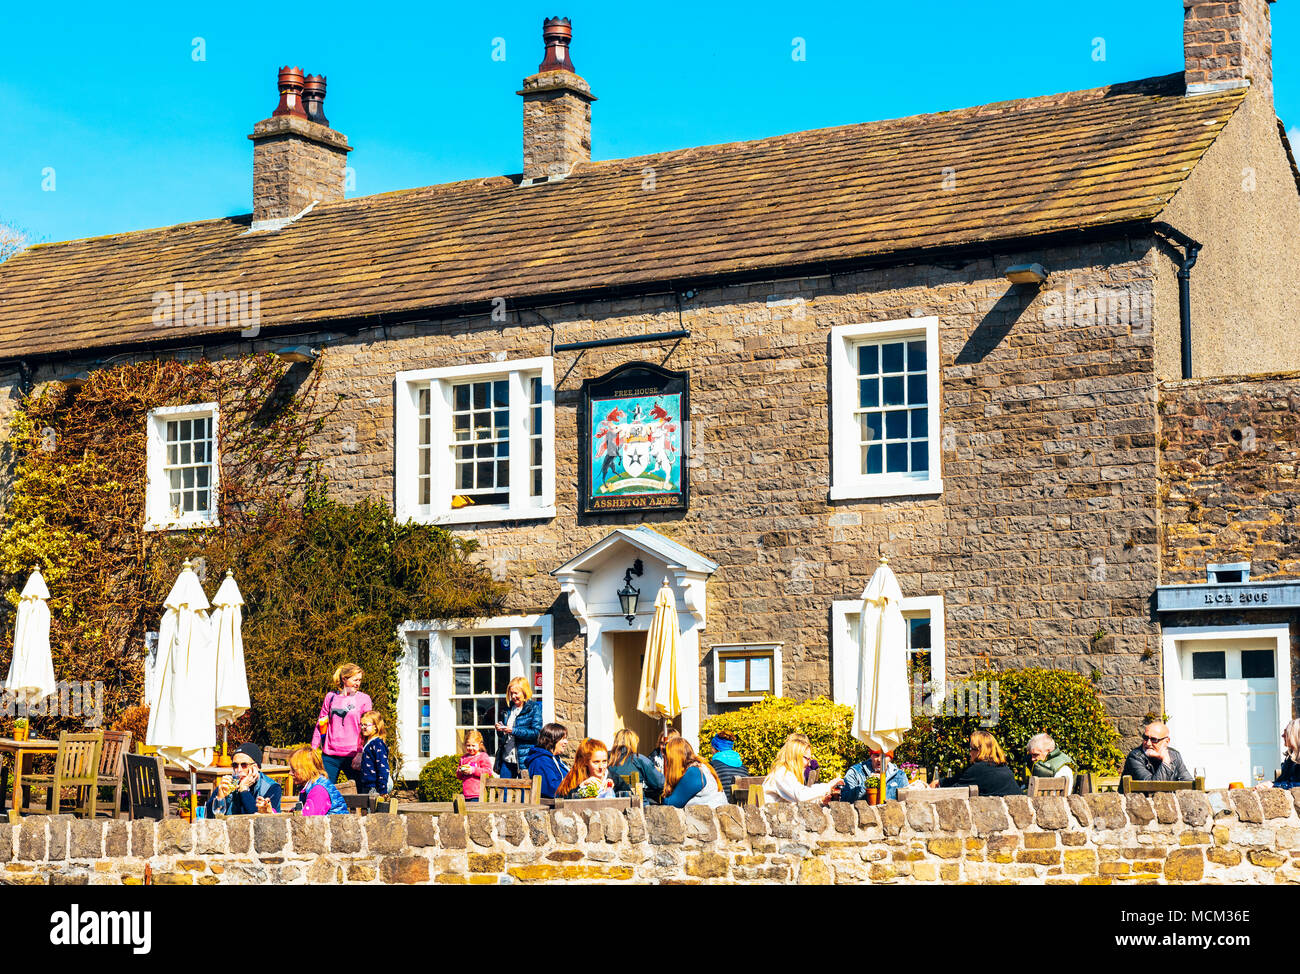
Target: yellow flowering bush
762	728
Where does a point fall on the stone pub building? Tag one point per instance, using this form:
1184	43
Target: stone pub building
1036	353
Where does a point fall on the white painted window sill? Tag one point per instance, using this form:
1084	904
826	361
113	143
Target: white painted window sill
871	490
183	524
485	514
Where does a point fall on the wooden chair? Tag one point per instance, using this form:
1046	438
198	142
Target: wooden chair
1131	786
1046	786
937	794
75	766
1091	784
371	804
280	756
747	791
638	789
425	808
511	791
144	786
461	807
360	804
112	766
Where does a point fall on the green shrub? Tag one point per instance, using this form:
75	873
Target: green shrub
762	728
438	780
1059	702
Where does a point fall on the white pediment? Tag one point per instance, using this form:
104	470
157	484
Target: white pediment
591	580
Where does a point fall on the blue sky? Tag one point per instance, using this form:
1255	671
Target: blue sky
138	133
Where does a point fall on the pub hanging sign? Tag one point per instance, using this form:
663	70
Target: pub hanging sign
634	443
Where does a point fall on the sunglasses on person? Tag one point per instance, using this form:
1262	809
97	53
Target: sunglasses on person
241	764
1154	740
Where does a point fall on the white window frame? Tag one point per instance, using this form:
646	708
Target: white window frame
522	504
722	649
442	714
847	480
844	647
158	512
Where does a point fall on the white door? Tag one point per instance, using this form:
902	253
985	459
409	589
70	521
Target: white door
1228	722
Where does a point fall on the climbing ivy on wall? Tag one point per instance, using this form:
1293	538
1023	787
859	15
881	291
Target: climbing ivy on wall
324	582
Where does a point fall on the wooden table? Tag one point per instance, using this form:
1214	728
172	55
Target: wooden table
207	777
212	772
18	751
415	808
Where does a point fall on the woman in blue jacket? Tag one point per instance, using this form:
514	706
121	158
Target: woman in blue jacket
517	734
624	759
544	758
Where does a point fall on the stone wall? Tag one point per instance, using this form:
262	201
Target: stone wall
1212	837
1229	456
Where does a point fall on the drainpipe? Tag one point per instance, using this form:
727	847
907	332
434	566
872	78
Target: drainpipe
1191	250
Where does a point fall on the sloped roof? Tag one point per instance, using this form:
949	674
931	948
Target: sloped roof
1038	165
647	539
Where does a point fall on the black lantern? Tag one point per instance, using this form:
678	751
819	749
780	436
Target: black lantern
627	595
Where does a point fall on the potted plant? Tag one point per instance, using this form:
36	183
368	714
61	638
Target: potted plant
20	729
873	789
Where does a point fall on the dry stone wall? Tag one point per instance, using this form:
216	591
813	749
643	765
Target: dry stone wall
1189	837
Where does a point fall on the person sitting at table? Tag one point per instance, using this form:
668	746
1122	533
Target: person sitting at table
727	764
624	759
988	770
688	778
855	780
657	755
1289	775
590	776
785	781
1049	761
317	795
544	757
247	791
1154	759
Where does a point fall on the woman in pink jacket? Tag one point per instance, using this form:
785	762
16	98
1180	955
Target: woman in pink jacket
338	728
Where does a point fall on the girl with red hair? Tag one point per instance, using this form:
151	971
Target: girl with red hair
590	776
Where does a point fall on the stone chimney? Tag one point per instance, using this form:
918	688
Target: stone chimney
297	158
1227	45
557	108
